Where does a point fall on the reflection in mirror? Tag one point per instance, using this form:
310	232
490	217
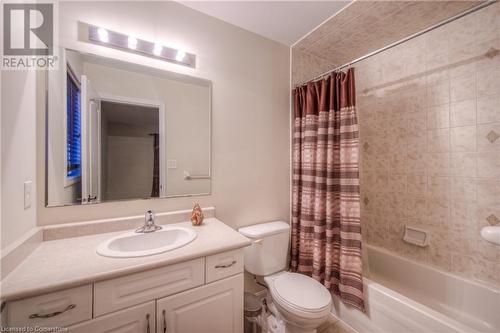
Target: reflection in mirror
131	146
118	131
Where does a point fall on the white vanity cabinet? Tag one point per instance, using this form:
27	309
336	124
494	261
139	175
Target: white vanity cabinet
198	295
216	307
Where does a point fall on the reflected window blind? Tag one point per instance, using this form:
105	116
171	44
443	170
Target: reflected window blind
74	137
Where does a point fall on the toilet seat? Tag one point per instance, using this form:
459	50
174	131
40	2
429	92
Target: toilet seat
300	294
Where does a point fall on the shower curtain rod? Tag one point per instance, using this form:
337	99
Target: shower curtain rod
401	41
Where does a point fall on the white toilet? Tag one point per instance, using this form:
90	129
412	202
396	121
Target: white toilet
302	302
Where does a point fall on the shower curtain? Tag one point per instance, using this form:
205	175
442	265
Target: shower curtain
326	228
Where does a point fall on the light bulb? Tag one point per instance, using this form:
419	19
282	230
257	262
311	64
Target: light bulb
132	43
180	55
103	35
157	50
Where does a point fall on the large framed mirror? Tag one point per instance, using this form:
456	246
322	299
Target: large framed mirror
122	131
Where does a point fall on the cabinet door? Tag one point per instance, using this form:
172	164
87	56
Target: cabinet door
137	319
213	308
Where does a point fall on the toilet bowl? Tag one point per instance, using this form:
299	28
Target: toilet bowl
301	302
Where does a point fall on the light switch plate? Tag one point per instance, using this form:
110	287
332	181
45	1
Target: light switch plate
171	164
27	194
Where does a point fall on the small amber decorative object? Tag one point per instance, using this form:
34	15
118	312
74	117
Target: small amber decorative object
197	215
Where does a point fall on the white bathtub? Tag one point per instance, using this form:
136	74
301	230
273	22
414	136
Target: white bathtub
405	296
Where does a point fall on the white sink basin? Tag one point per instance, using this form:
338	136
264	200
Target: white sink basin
132	244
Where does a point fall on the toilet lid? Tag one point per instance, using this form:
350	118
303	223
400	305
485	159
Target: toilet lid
302	291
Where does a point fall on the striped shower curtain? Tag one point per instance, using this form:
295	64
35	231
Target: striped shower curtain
326	228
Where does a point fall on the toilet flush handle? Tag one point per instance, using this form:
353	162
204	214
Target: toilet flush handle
258	241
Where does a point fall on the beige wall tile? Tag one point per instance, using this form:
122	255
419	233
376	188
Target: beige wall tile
437	164
463	139
397	183
487	23
488	194
463	214
462	88
439	188
463	113
463	264
416	205
488	191
487	53
425	109
488	137
488	109
417	161
463	189
488	81
487	271
463	164
438	141
416	183
438	93
485	250
438	116
438	209
439	257
488	165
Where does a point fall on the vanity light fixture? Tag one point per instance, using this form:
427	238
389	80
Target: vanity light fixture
180	55
157	49
132	43
108	38
103	35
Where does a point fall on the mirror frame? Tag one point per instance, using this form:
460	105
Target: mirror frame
174	76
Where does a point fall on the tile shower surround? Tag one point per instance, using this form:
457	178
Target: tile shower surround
429	113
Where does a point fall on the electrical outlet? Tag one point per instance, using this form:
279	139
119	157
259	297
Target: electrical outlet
27	194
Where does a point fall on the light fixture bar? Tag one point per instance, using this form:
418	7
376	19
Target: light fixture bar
105	37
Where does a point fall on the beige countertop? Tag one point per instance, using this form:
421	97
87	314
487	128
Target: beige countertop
70	262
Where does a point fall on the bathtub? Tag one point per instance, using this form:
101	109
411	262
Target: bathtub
405	296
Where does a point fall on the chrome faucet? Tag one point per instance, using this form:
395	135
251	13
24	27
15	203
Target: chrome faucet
149	223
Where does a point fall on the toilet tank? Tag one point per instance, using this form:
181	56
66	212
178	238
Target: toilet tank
269	250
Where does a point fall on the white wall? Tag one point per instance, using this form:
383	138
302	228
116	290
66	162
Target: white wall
18	141
130	167
250	119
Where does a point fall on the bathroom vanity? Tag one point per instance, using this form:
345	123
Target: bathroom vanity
65	283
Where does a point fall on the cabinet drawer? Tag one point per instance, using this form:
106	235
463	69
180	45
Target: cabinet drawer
61	308
224	264
137	319
141	287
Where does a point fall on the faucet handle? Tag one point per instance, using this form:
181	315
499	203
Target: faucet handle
150	216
